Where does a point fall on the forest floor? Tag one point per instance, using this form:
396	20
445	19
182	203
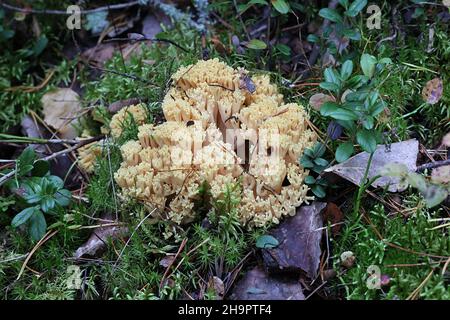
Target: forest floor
373	78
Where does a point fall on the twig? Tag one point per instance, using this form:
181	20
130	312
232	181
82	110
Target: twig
323	284
187	255
15	258
166	273
18	139
11	174
395	27
444	268
126	75
47	236
226	24
65	12
231	277
415	293
432	165
401	265
73	148
146	39
314	55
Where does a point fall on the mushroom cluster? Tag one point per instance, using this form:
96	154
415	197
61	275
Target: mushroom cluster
222	127
88	154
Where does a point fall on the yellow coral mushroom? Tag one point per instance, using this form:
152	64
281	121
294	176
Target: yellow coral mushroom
87	156
137	111
218	132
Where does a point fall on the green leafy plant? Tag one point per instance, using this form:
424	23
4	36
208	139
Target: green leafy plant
281	6
40	193
357	103
343	27
313	159
21	64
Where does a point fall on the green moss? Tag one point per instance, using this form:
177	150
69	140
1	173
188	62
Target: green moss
413	234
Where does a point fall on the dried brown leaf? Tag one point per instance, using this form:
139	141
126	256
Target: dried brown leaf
299	242
432	92
258	285
61	108
404	152
441	175
317	100
98	240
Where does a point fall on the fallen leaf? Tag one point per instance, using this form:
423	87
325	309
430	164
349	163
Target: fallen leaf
299	237
341	43
353	169
116	106
256	44
167	260
219	46
59	166
100	53
333	215
122	23
258	285
216	284
432	92
98	240
441	175
32	129
329	274
317	100
135	36
334	130
328	59
61	108
151	25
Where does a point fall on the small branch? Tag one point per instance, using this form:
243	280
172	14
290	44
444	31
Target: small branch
166	273
73	148
7	138
47	236
84	142
432	165
64	12
146	39
126	75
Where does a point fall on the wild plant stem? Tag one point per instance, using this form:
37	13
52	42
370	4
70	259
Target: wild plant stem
119	6
432	165
363	185
8	138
